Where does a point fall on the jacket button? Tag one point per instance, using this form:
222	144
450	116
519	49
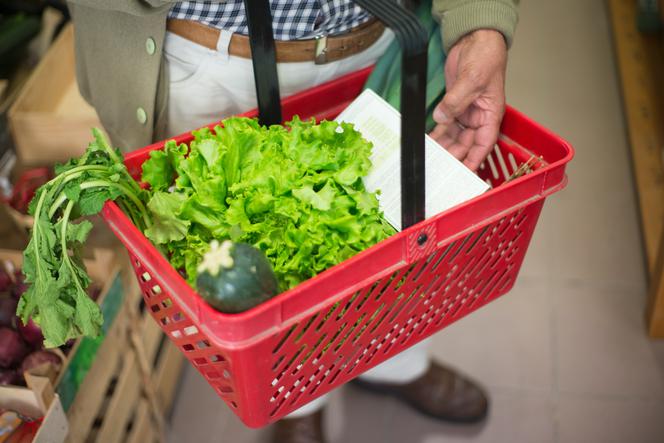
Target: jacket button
141	116
150	46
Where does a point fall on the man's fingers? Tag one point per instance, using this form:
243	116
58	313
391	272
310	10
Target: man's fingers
460	147
458	150
445	132
457	99
484	139
476	156
437	132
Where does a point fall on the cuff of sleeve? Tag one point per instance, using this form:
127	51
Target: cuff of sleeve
457	22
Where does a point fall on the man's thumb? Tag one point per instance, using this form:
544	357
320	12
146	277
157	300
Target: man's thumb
455	101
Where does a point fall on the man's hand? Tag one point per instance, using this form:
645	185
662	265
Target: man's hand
469	116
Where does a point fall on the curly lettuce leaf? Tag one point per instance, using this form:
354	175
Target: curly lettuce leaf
295	192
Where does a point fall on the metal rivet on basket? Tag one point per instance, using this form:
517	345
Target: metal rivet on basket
422	239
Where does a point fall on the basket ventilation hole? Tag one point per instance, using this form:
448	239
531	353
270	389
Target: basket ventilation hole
200	361
178	317
156	289
227	374
512	161
187	347
202	344
492	165
190	330
224	390
176	334
501	162
146	277
215	358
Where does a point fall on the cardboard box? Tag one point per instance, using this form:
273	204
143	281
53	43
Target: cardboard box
50	121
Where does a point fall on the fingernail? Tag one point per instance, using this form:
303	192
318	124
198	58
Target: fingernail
439	116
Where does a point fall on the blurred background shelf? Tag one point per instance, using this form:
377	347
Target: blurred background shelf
640	59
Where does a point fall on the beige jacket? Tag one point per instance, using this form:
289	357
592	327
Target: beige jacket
119	56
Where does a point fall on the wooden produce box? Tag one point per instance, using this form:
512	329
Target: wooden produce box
42	394
132	383
119	386
49	120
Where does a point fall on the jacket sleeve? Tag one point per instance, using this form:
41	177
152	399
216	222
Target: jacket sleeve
459	17
133	7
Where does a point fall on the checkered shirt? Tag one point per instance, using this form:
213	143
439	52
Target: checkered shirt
291	19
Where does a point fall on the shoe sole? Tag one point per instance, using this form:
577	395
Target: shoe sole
376	388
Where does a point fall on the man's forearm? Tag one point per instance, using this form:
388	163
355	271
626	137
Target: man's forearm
460	17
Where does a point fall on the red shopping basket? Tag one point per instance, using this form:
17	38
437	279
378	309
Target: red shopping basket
274	358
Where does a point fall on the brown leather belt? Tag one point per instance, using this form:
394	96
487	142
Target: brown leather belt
319	50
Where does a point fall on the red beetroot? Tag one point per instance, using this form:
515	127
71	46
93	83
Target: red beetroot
12	347
19	287
9	377
7	310
30	332
5	280
94	291
40	357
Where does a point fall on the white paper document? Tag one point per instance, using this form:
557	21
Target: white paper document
448	182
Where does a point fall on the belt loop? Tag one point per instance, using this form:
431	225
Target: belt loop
224	42
320	53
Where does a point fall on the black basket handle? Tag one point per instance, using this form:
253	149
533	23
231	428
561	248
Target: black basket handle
413	40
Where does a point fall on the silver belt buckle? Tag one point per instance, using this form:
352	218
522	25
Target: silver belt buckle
320	54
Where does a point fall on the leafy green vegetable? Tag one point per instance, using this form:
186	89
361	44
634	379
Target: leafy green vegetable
56	298
294	192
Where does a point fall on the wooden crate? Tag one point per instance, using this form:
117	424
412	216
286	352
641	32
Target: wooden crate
49	120
132	382
38	399
640	60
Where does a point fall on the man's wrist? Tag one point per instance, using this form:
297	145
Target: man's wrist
485	35
467	17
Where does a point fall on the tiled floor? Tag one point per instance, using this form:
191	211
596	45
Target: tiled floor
564	356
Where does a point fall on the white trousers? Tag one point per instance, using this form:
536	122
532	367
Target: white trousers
207	86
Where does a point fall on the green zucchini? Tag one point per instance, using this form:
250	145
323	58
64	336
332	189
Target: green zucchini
234	277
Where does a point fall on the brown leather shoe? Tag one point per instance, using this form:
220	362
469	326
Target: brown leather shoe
305	429
440	393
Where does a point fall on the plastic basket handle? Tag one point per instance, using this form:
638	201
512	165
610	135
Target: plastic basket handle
413	40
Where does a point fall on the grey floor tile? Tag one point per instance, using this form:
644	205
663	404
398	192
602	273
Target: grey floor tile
605	420
597	243
570	84
201	416
354	416
601	344
539	259
506	343
515	416
658	351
